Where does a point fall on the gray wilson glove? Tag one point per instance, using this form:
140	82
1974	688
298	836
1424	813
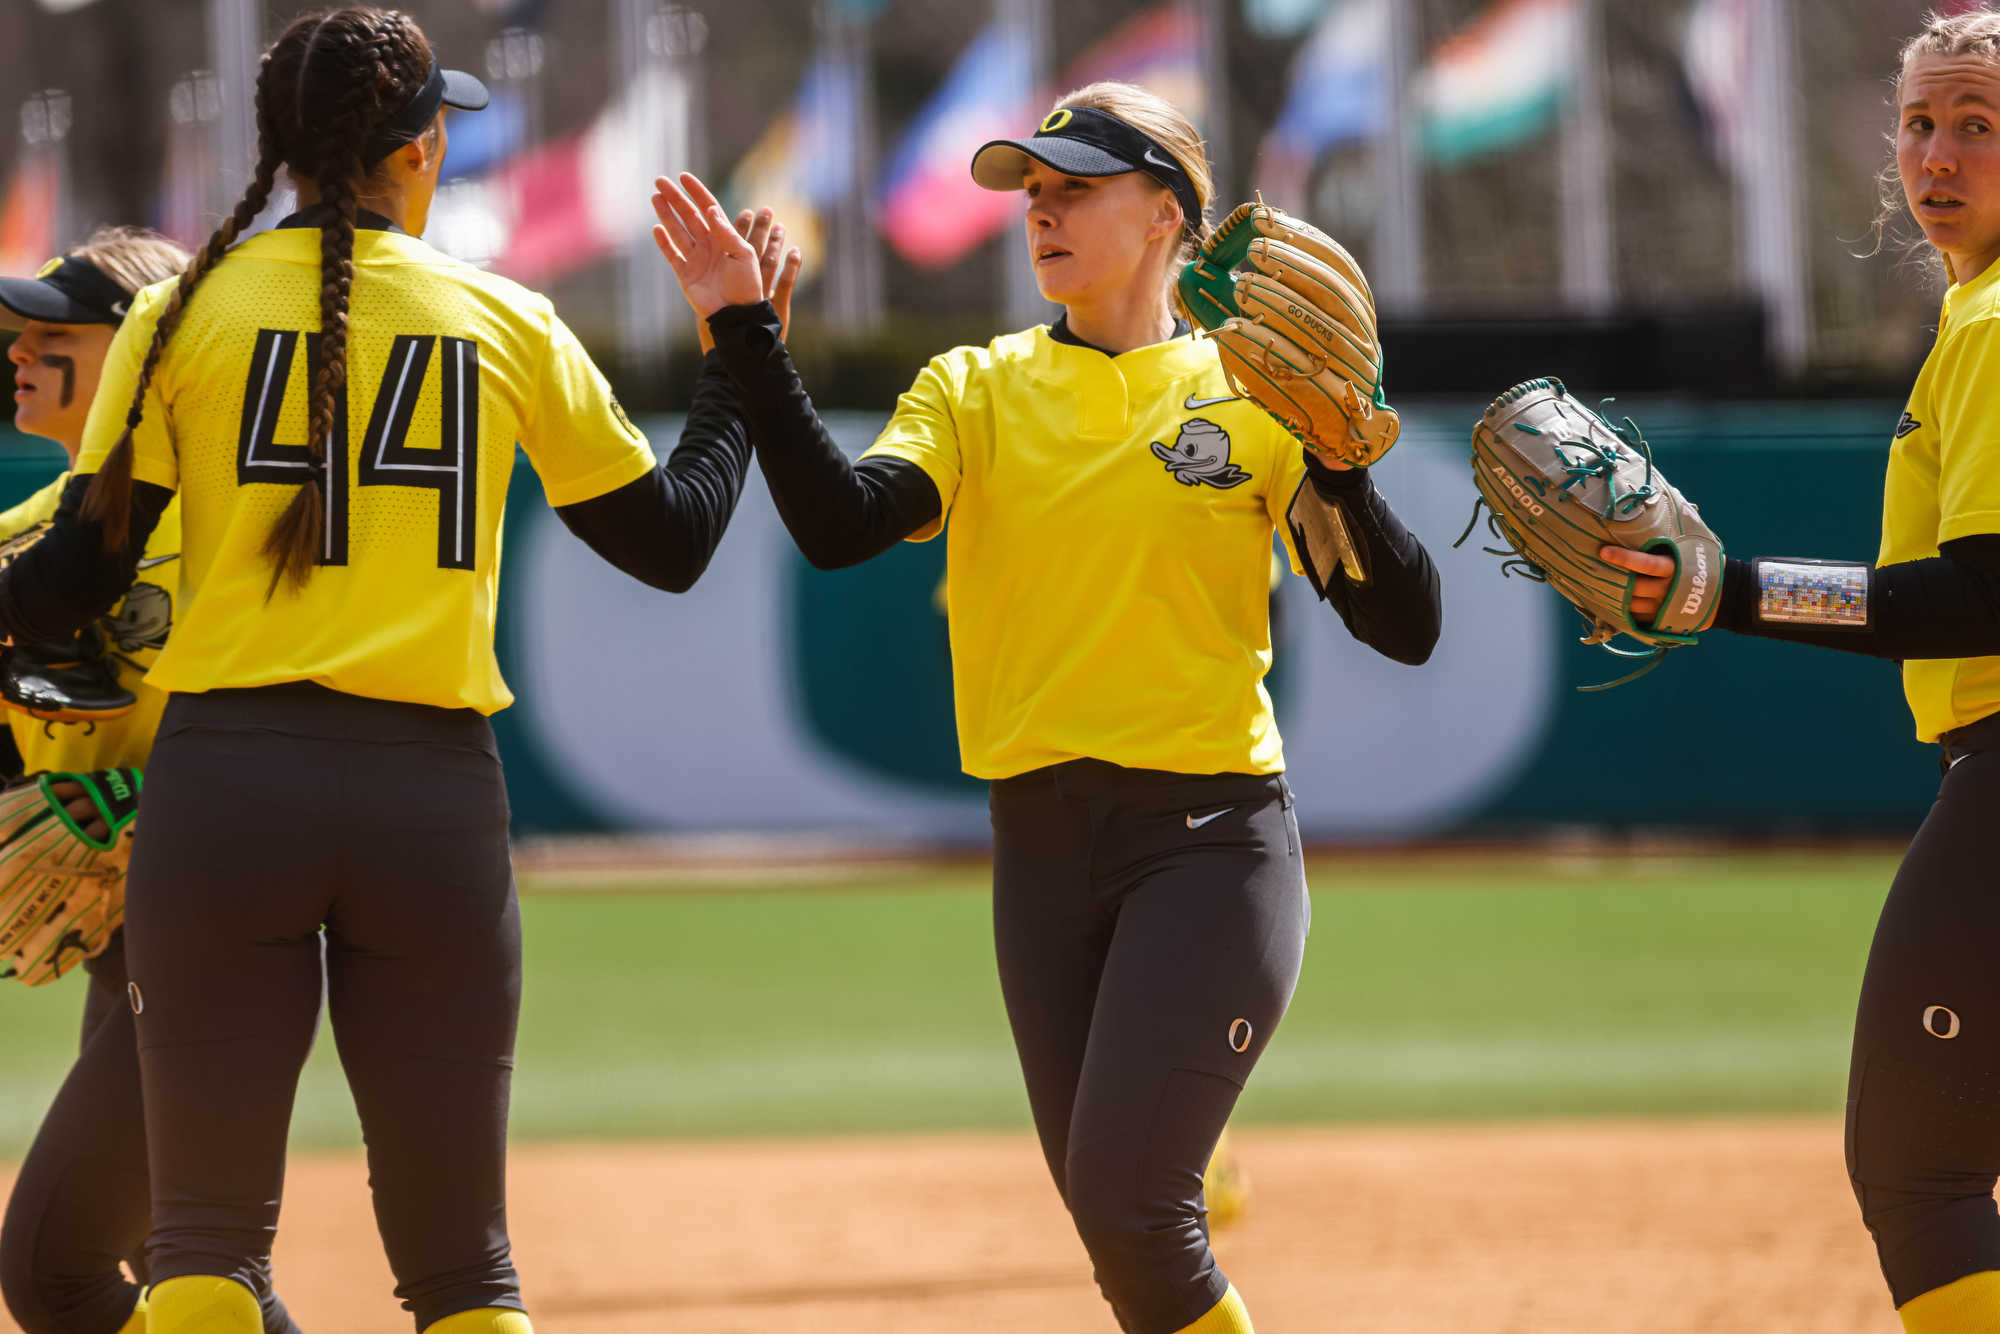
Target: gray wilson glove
1562	482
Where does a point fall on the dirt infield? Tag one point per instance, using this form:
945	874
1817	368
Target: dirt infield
1711	1227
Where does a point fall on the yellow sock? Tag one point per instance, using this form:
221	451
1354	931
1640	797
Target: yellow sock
485	1320
1969	1306
202	1304
1225	1317
136	1322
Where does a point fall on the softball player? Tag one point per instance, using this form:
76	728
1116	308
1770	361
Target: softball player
81	1202
1923	1101
1111	504
338	407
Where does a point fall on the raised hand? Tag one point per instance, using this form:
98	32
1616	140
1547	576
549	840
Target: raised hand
714	265
777	266
711	264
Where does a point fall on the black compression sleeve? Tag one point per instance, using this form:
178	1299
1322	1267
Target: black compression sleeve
1947	606
67	580
1399	612
840	513
662	528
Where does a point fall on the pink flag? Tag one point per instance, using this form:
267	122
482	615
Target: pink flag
545	195
931	211
28	217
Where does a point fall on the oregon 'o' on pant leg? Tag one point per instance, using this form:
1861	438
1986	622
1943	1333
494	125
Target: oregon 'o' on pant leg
1923	1117
81	1201
231	876
1210	937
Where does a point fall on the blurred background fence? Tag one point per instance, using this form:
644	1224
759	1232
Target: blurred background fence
1670	200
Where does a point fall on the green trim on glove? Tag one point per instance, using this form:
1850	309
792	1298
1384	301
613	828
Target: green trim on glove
115	793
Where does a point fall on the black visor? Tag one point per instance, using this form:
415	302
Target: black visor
1083	141
67	291
446	88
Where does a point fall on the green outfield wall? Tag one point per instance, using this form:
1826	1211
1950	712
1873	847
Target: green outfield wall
776	696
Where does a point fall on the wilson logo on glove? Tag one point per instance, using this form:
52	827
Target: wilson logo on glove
1692	607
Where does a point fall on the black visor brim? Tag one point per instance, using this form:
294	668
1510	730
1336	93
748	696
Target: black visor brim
463	91
444	87
24	299
999	164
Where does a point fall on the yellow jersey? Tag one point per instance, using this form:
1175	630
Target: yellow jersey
1108	552
135	631
1944	483
448	368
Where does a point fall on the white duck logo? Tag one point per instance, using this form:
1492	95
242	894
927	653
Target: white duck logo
1201	454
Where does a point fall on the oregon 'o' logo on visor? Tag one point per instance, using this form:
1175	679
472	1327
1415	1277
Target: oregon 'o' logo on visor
1058	118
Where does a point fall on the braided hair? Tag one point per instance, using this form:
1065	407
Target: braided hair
324	85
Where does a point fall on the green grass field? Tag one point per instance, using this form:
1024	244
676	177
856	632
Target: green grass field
1502	988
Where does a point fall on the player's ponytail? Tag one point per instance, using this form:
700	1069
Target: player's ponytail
325	85
293	544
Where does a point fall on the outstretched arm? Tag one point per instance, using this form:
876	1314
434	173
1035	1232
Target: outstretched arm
839	512
1947	606
663	528
1392	602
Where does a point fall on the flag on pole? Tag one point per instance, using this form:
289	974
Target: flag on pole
1275	19
1159	49
1740	58
932	211
28	217
1337	93
803	163
1500	81
544	203
769	177
34	216
1717	39
580	200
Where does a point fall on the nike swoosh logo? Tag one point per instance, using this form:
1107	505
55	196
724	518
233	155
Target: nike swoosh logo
1196	824
1191	402
158	560
1160	162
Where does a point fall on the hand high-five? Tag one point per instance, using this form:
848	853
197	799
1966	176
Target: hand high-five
719	265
